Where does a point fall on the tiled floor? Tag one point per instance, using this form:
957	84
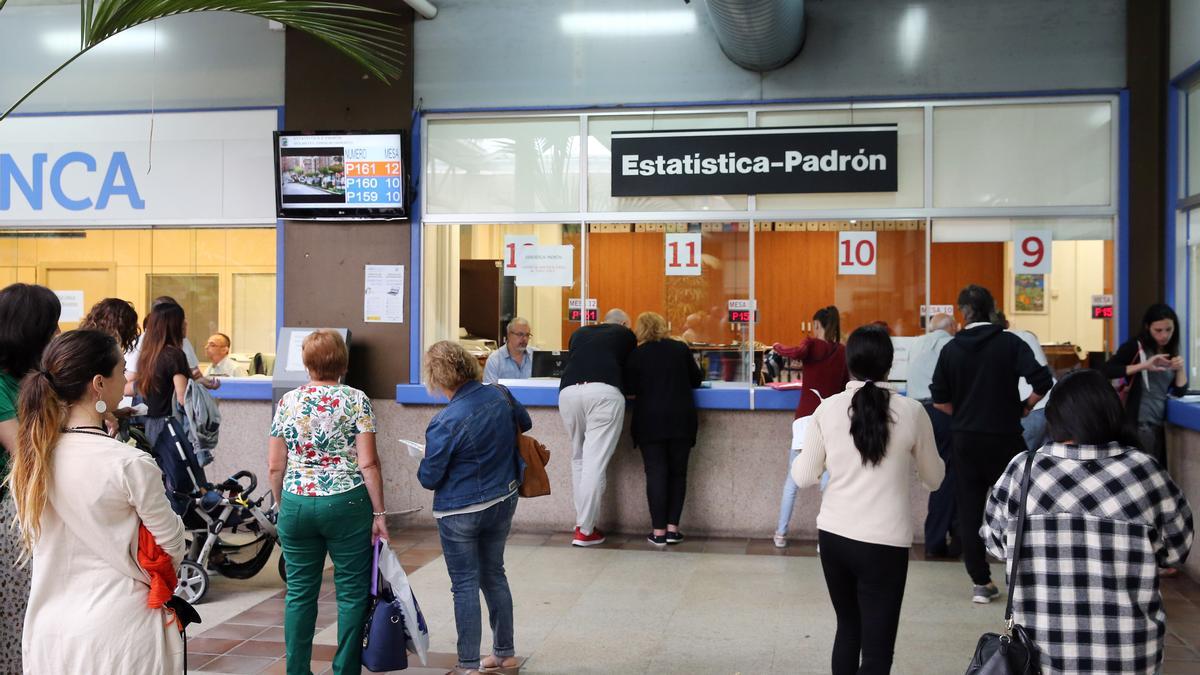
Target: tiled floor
252	642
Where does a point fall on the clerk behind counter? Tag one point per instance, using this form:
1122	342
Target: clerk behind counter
514	360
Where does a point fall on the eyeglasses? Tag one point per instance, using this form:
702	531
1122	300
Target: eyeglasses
519	335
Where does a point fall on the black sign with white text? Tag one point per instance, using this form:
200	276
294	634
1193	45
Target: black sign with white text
857	158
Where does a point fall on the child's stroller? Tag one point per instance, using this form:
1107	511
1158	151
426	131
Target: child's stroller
229	532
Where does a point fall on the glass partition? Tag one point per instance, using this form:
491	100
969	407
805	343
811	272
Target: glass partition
688	273
223	277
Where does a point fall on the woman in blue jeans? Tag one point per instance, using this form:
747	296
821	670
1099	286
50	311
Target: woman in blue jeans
473	467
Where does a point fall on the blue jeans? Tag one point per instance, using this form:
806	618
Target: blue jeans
788	501
473	545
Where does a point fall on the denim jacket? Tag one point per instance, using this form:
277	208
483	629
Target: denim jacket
470	448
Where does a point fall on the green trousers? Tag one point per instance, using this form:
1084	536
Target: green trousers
310	527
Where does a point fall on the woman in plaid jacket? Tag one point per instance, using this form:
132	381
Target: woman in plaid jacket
1101	517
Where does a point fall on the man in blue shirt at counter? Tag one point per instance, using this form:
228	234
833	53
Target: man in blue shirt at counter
513	361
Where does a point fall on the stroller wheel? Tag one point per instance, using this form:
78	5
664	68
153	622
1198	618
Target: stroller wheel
193	582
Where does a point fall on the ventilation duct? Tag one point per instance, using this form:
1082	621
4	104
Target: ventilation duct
758	35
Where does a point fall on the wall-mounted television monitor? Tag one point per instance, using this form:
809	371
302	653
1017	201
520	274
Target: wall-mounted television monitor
339	175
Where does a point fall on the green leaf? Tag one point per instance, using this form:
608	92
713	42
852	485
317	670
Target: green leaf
360	33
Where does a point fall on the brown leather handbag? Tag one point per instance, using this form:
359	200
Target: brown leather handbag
536	481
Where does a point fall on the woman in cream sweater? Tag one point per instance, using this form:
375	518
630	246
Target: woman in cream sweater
80	499
869	440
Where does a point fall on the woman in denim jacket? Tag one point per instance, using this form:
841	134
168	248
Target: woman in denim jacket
473	467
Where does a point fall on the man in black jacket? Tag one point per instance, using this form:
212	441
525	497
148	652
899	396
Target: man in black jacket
593	409
975	382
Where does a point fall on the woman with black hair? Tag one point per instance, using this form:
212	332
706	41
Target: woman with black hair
824	360
1099	518
1152	366
28	321
869	440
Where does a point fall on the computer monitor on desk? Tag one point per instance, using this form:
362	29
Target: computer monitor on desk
549	364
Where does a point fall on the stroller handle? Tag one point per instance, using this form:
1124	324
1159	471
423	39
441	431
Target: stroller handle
236	480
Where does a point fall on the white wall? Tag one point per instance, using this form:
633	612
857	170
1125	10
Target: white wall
523	52
204	60
1185	34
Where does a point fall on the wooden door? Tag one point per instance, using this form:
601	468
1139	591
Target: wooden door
95	280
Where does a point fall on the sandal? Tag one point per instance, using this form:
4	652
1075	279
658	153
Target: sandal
499	665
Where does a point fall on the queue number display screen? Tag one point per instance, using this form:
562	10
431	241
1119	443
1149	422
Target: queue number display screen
743	315
340	175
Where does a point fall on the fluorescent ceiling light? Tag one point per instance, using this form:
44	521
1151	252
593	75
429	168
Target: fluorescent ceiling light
628	24
912	30
133	40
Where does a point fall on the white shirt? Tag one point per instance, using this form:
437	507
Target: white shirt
1024	387
227	367
852	486
922	359
131	356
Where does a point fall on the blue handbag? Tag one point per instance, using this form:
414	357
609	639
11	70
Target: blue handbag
383	642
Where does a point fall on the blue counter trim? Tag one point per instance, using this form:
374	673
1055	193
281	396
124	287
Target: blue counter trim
706	399
1186	415
258	390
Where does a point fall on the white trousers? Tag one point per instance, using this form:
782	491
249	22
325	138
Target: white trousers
593	414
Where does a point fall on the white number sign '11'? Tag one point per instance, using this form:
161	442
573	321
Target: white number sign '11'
682	254
1031	251
857	253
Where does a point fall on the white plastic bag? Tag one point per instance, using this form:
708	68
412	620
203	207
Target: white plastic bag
414	623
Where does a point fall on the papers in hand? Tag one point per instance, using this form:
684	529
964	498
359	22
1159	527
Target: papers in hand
417	450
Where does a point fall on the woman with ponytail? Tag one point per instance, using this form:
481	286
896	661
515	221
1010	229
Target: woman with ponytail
28	321
81	498
824	360
869	440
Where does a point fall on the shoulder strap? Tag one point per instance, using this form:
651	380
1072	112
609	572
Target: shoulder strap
1020	540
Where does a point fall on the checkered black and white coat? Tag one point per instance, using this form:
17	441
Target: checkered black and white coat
1100	522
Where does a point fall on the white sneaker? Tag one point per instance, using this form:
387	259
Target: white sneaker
780	541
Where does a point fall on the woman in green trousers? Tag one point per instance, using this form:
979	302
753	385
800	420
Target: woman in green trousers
325	474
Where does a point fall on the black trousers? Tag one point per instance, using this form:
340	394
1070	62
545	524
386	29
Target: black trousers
866	586
942	518
666	479
979	460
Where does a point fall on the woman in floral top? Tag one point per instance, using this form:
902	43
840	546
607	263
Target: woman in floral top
325	474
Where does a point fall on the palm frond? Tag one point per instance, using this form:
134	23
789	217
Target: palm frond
358	32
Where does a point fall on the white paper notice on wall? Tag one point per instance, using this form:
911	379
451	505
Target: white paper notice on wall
857	253
1031	251
515	247
72	306
547	266
682	254
295	355
383	294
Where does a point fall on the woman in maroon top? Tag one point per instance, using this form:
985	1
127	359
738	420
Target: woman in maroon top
824	360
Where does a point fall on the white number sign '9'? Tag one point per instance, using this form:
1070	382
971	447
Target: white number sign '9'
1031	251
857	253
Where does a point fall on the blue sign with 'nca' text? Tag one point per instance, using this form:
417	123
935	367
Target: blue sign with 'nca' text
31	185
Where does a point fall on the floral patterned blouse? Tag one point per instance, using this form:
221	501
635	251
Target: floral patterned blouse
318	425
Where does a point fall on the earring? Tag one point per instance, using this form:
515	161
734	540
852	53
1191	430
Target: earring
101	407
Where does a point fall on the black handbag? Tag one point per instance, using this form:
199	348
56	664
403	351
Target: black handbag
1013	652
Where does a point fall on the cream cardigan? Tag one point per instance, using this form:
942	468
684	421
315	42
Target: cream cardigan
87	608
868	503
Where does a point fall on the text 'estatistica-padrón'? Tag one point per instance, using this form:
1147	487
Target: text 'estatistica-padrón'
731	163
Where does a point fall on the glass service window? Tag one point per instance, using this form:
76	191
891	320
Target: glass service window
204	269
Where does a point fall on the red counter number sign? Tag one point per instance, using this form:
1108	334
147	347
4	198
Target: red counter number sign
857	253
1031	251
682	254
513	254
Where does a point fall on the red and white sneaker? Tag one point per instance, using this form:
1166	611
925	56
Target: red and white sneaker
581	539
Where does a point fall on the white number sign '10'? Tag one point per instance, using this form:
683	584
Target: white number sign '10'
1031	251
857	253
682	254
